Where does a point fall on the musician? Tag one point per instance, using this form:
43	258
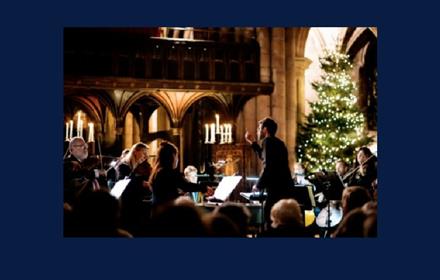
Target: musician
166	180
135	209
367	169
127	165
275	177
300	174
78	177
111	172
341	168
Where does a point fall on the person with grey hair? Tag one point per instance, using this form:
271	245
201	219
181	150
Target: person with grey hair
78	177
190	173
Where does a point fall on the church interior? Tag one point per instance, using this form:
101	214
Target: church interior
202	89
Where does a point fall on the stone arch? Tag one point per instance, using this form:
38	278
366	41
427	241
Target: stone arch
361	45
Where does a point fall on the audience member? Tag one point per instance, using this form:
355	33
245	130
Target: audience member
354	197
237	213
287	220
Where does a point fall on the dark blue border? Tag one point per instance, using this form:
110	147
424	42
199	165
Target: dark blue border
33	86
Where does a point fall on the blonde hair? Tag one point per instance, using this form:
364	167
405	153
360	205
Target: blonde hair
129	157
286	211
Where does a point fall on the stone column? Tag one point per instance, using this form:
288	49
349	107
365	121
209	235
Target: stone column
128	131
136	132
278	98
291	98
301	64
178	140
247	120
119	136
263	101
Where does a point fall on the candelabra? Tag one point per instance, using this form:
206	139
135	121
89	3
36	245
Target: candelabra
224	132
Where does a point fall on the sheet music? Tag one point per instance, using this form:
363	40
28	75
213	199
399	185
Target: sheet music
226	186
119	187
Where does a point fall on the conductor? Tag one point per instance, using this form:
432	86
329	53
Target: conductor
275	177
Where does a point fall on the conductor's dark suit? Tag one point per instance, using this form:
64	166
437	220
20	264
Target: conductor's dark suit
275	177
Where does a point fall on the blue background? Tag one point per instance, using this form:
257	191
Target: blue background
32	112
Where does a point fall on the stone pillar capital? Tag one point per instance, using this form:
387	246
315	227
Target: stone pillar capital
176	131
301	64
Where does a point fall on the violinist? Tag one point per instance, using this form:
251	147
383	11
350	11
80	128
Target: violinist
127	165
365	171
78	176
135	205
111	172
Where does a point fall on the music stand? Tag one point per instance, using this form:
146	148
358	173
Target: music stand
331	185
225	188
119	188
303	194
328	183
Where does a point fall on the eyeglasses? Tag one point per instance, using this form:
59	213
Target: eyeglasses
80	145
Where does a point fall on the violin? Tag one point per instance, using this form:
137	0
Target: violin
143	169
356	169
97	162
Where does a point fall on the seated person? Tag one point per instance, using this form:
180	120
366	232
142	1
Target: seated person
190	173
300	175
127	165
78	176
166	180
111	172
287	220
341	168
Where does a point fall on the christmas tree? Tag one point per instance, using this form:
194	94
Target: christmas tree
335	127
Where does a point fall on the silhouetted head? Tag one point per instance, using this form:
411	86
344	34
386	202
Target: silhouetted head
237	213
354	197
167	156
266	127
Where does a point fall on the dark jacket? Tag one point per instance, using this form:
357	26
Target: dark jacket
166	184
77	179
367	179
275	177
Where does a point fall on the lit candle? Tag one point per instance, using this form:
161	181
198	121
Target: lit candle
78	124
71	129
81	128
212	133
206	133
217	124
225	133
91	132
229	135
67	131
222	134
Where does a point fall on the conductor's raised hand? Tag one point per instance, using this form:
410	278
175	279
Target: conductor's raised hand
249	137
